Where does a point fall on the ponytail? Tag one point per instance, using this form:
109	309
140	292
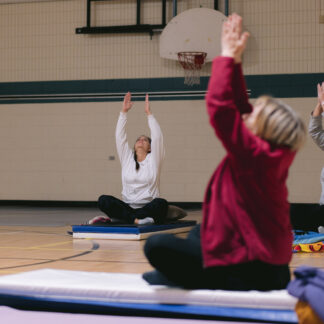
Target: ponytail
137	164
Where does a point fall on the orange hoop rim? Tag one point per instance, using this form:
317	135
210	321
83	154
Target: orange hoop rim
192	60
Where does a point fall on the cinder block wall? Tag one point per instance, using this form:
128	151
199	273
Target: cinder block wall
60	151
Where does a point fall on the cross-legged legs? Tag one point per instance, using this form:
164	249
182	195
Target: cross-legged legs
179	262
156	209
116	208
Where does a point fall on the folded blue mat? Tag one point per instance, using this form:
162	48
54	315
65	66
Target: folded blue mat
307	237
130	228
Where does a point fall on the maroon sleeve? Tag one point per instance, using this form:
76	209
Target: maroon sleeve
240	90
222	106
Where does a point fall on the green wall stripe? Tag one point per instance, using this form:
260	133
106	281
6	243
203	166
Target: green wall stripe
278	85
285	85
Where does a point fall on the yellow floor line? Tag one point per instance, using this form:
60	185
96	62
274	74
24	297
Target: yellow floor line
44	247
47	245
38	248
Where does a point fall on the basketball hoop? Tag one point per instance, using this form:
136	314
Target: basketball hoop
192	63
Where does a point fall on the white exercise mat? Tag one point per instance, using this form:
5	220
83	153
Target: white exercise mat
131	288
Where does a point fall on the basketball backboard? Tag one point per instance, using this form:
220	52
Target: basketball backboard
194	30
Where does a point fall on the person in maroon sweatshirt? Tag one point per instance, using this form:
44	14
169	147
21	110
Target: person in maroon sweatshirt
245	239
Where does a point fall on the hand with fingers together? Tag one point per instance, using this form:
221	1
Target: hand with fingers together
127	105
147	105
320	97
320	93
233	41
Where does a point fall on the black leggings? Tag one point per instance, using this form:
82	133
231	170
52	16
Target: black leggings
307	217
179	261
116	208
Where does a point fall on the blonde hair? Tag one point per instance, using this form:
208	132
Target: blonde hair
278	123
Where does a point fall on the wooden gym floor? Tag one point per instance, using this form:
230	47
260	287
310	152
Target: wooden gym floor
36	238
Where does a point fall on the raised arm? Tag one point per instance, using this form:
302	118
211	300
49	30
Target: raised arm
240	91
315	127
123	149
239	86
222	99
157	145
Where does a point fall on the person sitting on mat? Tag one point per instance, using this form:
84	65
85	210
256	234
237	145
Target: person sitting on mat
246	235
141	170
304	216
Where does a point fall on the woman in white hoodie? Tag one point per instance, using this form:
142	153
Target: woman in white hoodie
141	170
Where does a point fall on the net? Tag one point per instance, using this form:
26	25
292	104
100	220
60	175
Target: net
192	63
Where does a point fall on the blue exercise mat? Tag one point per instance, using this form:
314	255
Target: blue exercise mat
130	228
152	310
